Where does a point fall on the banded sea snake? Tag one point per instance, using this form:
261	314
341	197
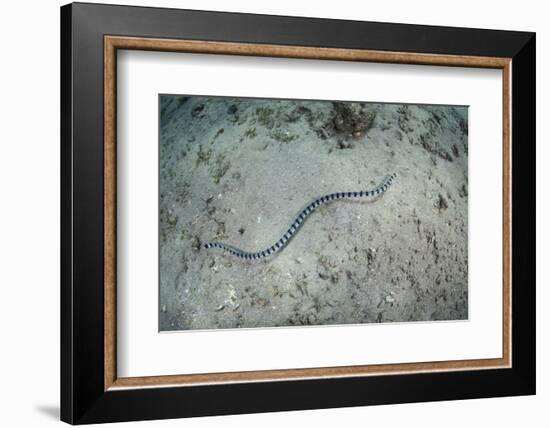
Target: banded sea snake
281	243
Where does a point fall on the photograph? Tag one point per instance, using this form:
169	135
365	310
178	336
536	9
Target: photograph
292	212
260	211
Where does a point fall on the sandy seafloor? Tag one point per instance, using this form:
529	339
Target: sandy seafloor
239	170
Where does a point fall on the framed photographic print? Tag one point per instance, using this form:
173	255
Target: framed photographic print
265	213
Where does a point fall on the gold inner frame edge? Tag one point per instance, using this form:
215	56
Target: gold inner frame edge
113	43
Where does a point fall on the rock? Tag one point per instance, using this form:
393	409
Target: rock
353	119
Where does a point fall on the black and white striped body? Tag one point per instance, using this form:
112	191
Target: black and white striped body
281	243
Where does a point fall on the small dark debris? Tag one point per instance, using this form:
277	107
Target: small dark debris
441	203
220	131
197	110
232	109
220	232
463	124
323	133
428	143
371	257
463	191
456	153
297	113
344	144
183	100
398	135
196	243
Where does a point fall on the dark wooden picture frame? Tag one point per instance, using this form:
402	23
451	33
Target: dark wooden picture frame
90	389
